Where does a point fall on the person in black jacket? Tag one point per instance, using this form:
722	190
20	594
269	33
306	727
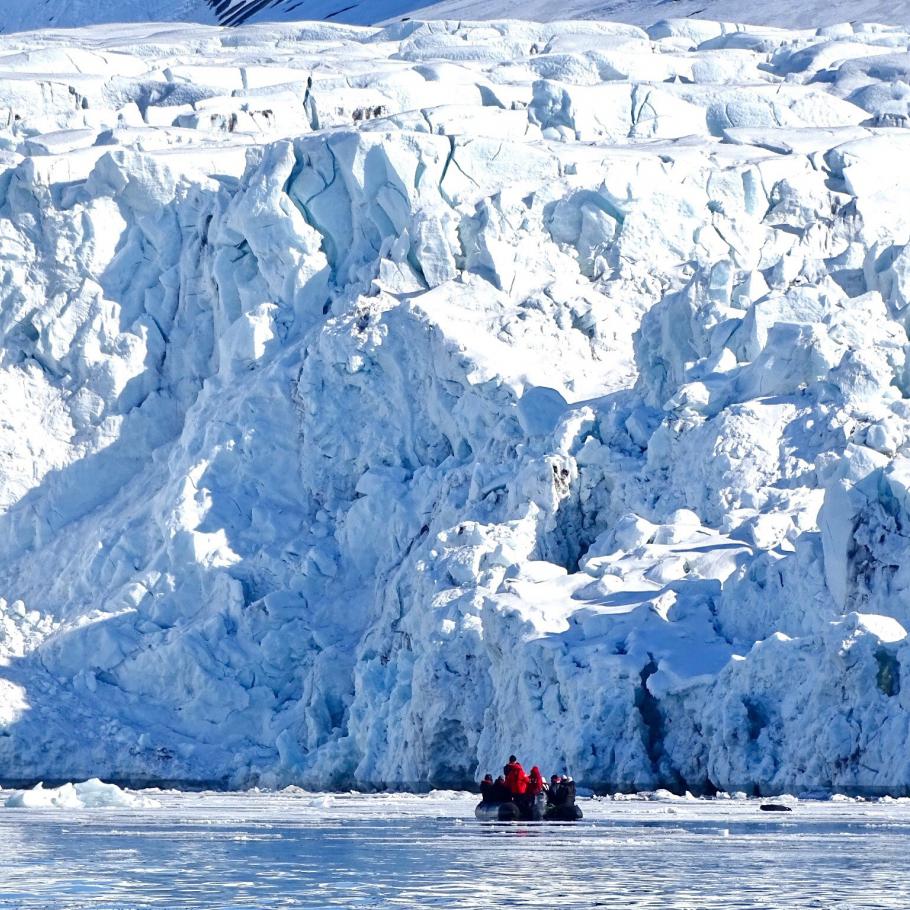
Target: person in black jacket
486	789
500	793
568	788
554	791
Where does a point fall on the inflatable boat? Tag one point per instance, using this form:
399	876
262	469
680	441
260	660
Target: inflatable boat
536	811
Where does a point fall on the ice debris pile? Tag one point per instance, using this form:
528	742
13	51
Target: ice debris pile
90	794
376	403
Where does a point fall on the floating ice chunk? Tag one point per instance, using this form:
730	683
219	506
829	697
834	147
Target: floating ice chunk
90	794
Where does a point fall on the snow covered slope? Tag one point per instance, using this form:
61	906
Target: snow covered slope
17	16
782	13
374	403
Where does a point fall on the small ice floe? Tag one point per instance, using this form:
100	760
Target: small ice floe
91	794
662	795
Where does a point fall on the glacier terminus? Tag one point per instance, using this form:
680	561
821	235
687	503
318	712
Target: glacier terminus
376	401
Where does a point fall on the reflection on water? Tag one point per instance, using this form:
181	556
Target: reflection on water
276	851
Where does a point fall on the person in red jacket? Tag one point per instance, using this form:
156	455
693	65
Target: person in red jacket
535	781
516	779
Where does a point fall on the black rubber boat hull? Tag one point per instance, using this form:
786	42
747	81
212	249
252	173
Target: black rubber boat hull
497	812
564	814
538	811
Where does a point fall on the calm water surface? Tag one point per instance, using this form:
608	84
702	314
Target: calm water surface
305	851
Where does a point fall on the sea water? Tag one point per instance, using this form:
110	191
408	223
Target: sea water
295	849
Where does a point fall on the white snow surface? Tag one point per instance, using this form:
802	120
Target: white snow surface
43	14
378	402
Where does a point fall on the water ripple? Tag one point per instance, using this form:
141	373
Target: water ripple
270	851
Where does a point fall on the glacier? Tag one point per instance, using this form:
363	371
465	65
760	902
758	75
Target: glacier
375	402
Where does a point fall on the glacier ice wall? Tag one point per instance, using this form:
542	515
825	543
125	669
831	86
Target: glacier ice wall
374	403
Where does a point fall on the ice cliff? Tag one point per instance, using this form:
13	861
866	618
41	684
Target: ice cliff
374	403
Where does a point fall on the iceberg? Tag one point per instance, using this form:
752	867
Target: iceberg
90	794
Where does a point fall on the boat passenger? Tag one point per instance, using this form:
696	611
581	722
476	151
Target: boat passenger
535	781
568	787
500	793
554	791
486	788
516	778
